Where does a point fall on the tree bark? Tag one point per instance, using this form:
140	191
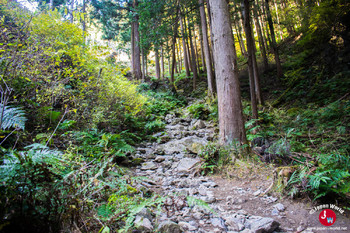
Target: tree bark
137	60
280	32
162	62
202	49
211	37
231	123
143	65
172	77
196	49
273	38
184	49
208	62
178	60
260	38
133	68
193	62
251	56
84	17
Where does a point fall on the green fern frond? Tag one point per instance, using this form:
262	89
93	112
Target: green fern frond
13	117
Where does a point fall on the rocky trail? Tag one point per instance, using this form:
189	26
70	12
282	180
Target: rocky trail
196	203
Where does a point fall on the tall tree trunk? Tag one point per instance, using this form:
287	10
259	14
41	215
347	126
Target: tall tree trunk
251	56
52	6
146	63
266	31
202	49
280	32
208	63
231	121
189	54
196	49
162	62
193	62
172	77
83	19
260	38
71	11
211	40
143	65
187	68
273	38
137	60
178	60
133	67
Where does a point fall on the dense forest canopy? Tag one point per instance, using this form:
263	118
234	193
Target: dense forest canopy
85	83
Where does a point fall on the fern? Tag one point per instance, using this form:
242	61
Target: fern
13	117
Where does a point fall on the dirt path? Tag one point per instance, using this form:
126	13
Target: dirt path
195	203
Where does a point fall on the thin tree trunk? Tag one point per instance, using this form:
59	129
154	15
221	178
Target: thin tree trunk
231	123
208	63
238	24
211	40
84	18
265	26
280	32
202	49
133	49
189	54
196	49
51	5
71	11
184	49
193	62
172	77
138	72
178	60
146	63
251	55
274	44
162	62
260	38
143	65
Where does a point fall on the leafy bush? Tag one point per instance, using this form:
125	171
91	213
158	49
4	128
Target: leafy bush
162	102
331	176
199	111
216	156
12	117
96	145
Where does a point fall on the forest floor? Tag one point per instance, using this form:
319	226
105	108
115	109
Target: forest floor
234	201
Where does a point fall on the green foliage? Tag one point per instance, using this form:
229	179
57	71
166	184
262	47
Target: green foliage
331	176
96	145
199	111
162	102
12	117
216	156
155	126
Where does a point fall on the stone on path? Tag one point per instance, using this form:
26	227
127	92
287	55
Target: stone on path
186	164
143	224
169	227
190	143
262	225
199	125
149	166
